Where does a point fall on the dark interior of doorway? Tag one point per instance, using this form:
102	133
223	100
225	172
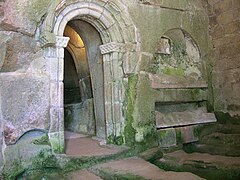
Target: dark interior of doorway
79	114
84	106
71	82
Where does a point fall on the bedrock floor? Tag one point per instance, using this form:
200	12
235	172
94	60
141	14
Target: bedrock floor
94	160
83	145
127	168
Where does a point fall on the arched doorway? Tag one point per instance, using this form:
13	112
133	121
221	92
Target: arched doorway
119	39
83	81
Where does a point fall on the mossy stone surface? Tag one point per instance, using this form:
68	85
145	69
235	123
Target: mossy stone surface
25	154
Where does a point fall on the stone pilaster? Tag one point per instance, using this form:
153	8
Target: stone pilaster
113	76
55	56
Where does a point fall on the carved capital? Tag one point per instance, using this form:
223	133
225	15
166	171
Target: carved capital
110	47
47	39
62	41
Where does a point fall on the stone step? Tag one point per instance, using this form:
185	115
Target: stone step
151	154
228	128
221	139
82	175
213	149
204	165
173	119
137	168
60	175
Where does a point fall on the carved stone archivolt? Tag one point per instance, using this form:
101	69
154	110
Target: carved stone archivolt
110	47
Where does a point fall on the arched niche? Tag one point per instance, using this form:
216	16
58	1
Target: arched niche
177	54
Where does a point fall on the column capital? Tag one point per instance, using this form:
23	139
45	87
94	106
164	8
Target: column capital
62	41
47	39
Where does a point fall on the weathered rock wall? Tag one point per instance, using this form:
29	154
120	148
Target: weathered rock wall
23	16
22	57
24	81
153	20
31	77
224	19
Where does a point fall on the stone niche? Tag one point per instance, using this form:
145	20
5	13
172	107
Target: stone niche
178	55
178	72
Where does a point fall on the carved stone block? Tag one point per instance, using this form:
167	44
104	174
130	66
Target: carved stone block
110	47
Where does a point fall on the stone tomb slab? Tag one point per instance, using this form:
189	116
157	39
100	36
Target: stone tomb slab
173	119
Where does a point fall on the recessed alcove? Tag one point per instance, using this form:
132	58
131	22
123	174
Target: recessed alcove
179	75
177	54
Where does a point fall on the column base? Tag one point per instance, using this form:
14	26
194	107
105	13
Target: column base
57	142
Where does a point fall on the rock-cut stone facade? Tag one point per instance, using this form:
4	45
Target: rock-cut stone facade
129	72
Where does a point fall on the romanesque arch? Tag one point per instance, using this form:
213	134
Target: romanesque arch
119	36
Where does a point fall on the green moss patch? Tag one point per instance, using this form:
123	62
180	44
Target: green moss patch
129	131
201	169
44	140
117	140
226	118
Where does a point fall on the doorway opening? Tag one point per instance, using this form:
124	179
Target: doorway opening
78	97
83	81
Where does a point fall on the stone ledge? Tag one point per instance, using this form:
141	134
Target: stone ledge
165	120
170	82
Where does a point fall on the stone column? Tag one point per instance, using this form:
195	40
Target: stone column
113	88
55	56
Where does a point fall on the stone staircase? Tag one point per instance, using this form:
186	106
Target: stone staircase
218	139
117	163
202	164
137	168
179	115
215	156
94	161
